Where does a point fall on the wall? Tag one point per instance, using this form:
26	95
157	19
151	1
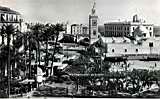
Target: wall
130	48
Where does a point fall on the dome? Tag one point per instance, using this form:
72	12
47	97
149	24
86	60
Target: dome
141	31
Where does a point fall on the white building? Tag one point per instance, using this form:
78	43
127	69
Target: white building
77	29
119	29
141	43
8	16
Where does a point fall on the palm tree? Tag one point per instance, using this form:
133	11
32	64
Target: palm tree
57	29
46	35
17	43
28	40
32	45
37	31
3	59
9	30
2	34
33	38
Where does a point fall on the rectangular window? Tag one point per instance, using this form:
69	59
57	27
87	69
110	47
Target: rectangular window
150	33
113	50
125	50
3	17
124	33
127	28
150	44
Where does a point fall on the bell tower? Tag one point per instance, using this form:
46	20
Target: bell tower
93	23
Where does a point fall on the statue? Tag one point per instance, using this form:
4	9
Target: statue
93	9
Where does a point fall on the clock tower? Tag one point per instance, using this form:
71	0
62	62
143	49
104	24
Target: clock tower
93	24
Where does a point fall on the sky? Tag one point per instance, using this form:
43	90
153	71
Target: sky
77	11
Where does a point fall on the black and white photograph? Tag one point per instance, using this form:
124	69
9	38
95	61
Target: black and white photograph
72	49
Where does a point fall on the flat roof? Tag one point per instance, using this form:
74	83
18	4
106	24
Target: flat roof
126	23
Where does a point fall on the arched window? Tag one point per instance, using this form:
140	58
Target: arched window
150	28
113	50
127	28
94	32
133	28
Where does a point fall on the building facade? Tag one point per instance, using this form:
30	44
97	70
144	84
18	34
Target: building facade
126	28
77	29
8	16
142	43
131	48
119	46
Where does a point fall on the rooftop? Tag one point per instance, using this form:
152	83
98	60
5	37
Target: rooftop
135	21
8	10
127	23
